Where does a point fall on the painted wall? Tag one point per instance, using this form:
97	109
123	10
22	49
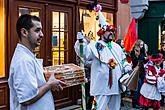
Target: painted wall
2	48
123	19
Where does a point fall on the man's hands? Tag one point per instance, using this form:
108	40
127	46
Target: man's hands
55	84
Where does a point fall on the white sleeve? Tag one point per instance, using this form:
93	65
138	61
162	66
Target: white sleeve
161	84
25	81
150	78
86	50
126	66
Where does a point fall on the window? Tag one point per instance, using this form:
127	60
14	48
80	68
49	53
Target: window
2	39
89	24
59	37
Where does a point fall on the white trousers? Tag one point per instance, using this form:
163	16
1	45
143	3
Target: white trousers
112	102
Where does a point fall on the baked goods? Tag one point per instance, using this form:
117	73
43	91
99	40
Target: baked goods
70	73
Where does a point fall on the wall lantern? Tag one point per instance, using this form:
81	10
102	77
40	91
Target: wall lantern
124	1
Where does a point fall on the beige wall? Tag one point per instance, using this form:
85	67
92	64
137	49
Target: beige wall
123	19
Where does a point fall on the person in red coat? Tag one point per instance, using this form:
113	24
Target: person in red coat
150	96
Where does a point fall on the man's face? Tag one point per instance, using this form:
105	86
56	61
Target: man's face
122	43
108	36
141	45
35	34
158	63
163	46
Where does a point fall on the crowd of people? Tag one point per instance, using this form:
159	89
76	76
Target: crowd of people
147	94
109	61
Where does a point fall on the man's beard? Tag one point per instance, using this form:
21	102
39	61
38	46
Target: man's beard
31	41
108	38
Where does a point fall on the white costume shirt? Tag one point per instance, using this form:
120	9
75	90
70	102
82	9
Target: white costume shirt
161	84
26	76
149	90
100	72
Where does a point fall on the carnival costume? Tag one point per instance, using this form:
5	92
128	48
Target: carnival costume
107	65
150	96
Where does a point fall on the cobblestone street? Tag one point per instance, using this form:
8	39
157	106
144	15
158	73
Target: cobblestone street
127	106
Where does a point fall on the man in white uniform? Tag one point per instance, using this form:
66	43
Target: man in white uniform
28	88
107	65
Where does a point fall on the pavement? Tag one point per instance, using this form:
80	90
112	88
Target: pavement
127	106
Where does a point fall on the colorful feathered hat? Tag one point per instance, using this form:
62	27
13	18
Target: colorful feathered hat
156	57
104	26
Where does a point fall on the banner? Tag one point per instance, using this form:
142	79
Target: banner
131	36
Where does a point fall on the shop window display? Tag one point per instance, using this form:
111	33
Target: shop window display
89	22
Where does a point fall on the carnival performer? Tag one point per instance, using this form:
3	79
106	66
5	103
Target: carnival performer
107	65
150	96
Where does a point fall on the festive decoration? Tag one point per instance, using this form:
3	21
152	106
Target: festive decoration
131	36
98	8
100	32
112	64
99	48
94	104
82	85
156	57
104	26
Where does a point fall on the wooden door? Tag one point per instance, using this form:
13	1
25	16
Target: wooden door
148	26
57	44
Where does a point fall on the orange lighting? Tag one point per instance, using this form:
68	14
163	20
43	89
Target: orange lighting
2	39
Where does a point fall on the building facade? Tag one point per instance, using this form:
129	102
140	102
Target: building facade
61	20
150	15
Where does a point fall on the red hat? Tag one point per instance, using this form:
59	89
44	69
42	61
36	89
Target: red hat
156	57
104	26
108	28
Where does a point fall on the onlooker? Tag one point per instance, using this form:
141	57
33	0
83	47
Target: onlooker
138	55
162	51
28	87
150	96
128	56
120	42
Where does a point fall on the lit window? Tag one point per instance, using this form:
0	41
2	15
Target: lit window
89	24
2	39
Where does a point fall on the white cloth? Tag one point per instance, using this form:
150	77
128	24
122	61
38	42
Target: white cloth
26	76
149	89
161	84
100	72
111	102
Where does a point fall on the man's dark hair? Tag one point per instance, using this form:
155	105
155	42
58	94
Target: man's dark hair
25	21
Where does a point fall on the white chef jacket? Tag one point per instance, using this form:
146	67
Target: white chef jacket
26	76
100	72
